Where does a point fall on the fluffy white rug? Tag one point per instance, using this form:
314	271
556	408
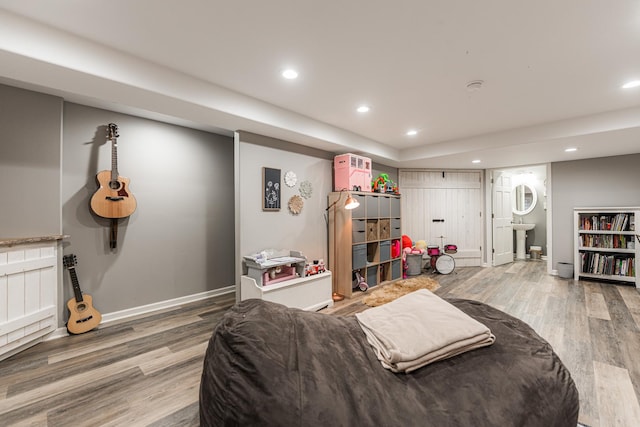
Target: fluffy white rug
391	291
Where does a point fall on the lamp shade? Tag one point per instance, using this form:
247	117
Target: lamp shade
351	203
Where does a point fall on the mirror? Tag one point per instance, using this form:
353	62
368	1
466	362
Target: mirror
524	198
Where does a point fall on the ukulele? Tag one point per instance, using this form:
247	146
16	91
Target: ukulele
83	316
112	199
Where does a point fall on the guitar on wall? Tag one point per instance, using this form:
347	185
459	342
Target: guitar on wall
113	199
83	316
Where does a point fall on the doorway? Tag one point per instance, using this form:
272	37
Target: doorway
528	203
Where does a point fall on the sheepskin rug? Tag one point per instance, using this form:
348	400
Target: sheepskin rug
391	291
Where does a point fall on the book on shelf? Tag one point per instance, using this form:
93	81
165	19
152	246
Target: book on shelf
610	265
618	222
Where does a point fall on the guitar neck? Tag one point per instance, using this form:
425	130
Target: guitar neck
76	285
114	159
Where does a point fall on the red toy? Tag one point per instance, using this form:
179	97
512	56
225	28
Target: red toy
406	242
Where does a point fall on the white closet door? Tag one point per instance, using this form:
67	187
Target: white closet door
444	208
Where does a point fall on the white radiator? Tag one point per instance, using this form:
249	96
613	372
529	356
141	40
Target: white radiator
28	295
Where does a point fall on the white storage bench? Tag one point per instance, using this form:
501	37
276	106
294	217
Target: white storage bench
309	293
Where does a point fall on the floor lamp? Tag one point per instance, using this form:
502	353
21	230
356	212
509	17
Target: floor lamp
349	203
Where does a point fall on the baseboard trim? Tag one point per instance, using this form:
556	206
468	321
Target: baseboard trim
147	309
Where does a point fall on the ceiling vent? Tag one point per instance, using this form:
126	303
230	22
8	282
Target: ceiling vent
474	85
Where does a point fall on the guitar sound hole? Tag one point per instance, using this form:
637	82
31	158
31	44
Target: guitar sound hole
114	185
81	307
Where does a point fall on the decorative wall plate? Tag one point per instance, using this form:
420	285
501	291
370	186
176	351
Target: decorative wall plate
295	204
306	189
290	178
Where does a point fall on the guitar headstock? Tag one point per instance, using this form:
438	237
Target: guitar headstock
69	260
112	131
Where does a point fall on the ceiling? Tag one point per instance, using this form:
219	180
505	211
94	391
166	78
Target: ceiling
552	72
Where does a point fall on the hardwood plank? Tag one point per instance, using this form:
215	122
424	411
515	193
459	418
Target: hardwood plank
596	305
146	370
75	382
613	386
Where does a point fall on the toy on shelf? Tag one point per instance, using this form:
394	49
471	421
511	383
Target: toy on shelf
382	184
352	172
316	267
270	266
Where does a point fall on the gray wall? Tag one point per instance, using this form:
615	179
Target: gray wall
180	239
30	125
608	181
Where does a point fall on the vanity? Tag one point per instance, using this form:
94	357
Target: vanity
524	199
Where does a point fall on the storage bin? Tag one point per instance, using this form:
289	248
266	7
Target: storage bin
396	269
359	256
414	264
372	276
352	172
385	251
358	230
396	231
372	229
373	206
565	270
384	207
385	229
395	207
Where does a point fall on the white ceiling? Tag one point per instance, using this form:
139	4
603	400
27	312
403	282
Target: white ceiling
552	71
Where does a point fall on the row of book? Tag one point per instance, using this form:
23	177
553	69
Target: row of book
612	265
608	241
618	222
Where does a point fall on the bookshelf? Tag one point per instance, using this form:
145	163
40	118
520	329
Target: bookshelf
607	245
361	240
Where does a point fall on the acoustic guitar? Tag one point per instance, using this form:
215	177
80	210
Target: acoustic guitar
113	199
83	317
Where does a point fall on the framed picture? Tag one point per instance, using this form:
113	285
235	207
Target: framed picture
271	189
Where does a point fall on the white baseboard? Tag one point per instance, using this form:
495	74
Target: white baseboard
149	308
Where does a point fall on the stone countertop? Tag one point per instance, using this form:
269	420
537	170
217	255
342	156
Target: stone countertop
28	240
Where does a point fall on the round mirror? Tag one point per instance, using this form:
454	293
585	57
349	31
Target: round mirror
524	199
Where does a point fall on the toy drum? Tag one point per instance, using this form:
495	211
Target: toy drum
450	249
433	251
445	264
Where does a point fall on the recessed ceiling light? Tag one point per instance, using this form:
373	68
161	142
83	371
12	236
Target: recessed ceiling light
570	149
412	132
363	109
475	161
290	74
629	85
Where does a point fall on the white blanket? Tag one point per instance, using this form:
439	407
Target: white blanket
420	328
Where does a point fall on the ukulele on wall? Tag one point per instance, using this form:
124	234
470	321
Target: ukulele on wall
113	199
83	316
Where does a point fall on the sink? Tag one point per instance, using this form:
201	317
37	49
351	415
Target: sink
521	238
523	227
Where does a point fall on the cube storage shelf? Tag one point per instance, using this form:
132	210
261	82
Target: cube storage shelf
361	240
607	244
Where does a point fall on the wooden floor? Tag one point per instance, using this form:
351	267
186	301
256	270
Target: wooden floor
147	371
